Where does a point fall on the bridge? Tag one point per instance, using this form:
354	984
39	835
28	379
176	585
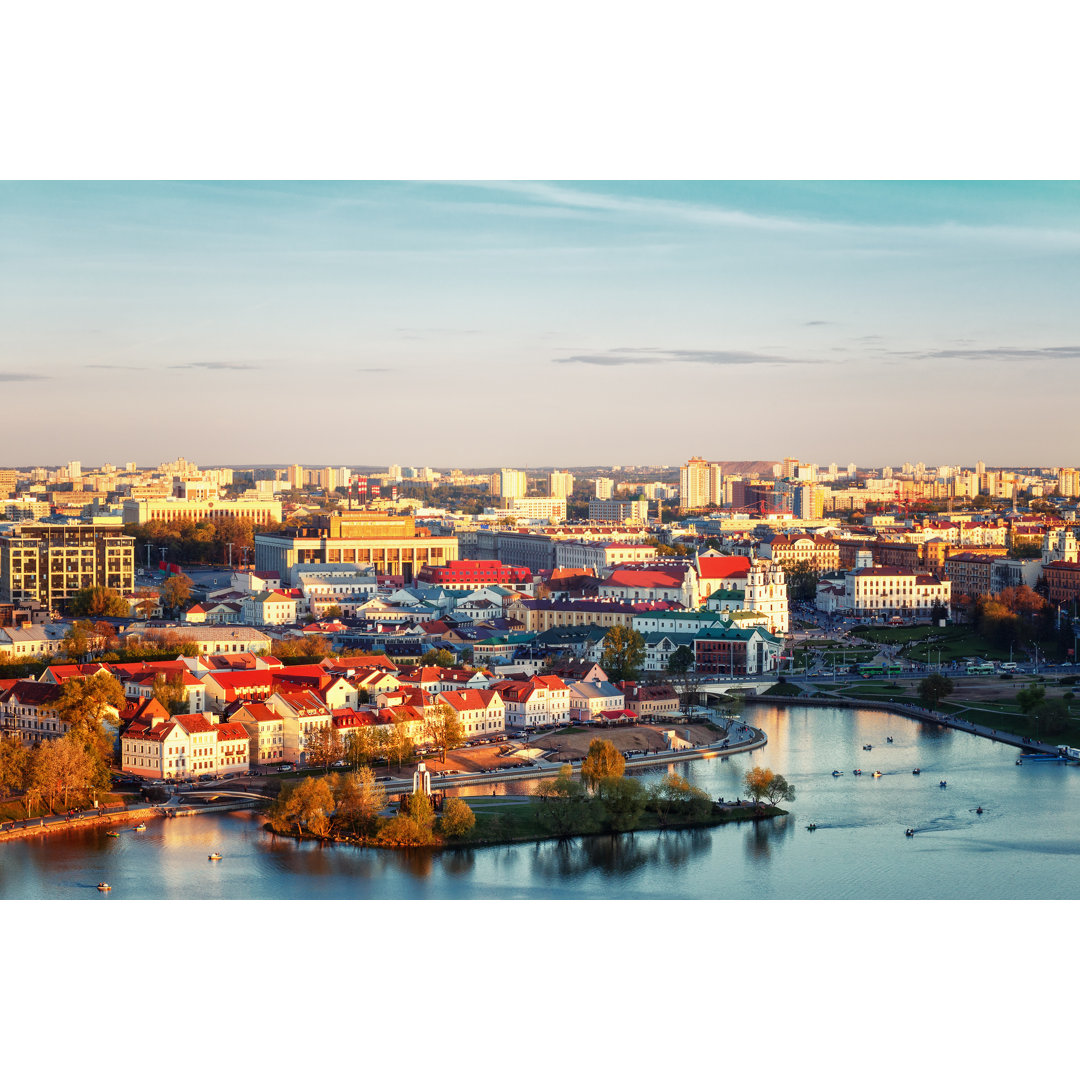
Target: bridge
748	686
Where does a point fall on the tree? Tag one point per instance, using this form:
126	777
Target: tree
323	746
86	704
171	692
457	818
778	789
399	746
756	783
1030	698
938	611
176	591
564	808
934	688
438	658
309	804
332	612
360	746
98	600
622	799
802	581
681	660
77	641
602	762
1049	718
14	762
624	653
146	602
360	801
443	729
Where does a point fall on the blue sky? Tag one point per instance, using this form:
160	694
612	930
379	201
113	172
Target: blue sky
530	323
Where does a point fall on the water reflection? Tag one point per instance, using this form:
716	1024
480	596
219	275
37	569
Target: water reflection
622	854
765	834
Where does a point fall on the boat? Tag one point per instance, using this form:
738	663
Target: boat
978	810
836	772
140	828
909	832
213	856
1019	762
811	826
104	886
915	772
112	832
888	738
941	783
857	772
877	773
868	746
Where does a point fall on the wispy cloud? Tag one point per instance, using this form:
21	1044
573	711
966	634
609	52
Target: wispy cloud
216	365
116	367
1011	353
20	376
817	322
720	358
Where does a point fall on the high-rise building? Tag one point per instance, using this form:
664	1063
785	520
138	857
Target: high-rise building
51	563
561	485
851	470
295	476
513	483
635	511
605	488
74	469
700	484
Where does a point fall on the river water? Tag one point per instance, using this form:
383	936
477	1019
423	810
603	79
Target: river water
1026	844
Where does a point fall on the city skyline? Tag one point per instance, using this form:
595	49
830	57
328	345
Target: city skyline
869	321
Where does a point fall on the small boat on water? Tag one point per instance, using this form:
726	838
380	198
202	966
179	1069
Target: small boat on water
978	810
140	828
857	772
1019	762
868	746
112	832
877	773
812	826
836	772
213	856
104	886
888	738
941	783
909	832
915	772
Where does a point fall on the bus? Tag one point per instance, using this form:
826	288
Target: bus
980	668
870	670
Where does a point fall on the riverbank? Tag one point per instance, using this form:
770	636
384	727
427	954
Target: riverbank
88	819
913	712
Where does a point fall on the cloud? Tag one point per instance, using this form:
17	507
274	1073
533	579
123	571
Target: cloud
817	322
116	367
20	376
217	365
1054	352
623	357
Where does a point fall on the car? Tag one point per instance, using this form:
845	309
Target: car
285	768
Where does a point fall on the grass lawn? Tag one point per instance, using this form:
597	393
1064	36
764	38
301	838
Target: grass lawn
782	690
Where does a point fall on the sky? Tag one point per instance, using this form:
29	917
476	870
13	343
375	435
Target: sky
478	324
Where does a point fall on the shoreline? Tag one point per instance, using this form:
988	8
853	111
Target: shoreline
89	820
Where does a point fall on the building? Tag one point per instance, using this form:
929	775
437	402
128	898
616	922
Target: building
700	484
51	563
259	512
635	511
538	508
561	485
393	546
603	488
28	712
597	555
818	552
513	484
886	591
481	713
467	575
537	702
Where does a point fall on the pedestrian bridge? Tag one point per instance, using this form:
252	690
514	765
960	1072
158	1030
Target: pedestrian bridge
748	687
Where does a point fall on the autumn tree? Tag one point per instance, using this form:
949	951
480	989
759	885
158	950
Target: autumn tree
756	783
309	804
87	705
176	591
443	729
564	807
14	759
438	658
602	762
456	819
171	692
323	746
399	746
360	746
360	801
779	790
624	653
78	641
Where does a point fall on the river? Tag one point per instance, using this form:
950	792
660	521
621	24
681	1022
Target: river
1026	844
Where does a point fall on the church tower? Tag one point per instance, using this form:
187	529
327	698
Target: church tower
767	594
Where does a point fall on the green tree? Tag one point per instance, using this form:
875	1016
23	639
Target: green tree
602	762
624	653
1049	718
669	797
564	808
399	744
1031	696
934	688
78	641
98	600
176	591
802	581
681	660
438	658
622	800
360	746
457	818
779	790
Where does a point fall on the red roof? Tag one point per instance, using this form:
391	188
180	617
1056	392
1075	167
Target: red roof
723	566
644	579
227	732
